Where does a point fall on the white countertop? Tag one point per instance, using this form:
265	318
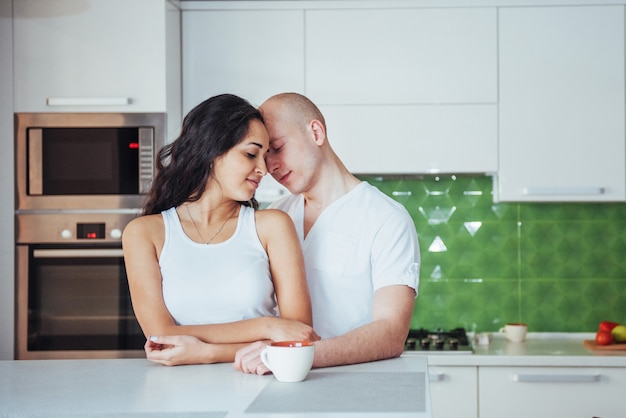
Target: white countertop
539	349
396	388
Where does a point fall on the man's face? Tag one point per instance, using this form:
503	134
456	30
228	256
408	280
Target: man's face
290	159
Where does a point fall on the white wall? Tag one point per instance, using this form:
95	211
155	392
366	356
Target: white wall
7	236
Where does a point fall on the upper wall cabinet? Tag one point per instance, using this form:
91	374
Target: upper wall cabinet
401	56
406	90
562	104
404	139
252	53
97	55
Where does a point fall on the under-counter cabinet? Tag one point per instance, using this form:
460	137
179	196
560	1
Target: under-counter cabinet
453	391
571	392
562	104
100	55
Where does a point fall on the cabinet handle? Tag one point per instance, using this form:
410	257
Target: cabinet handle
436	377
556	378
539	191
79	253
88	101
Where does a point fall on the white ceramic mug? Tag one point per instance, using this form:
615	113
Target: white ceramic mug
289	361
515	332
482	338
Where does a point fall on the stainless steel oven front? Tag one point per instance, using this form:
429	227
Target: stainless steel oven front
72	291
80	178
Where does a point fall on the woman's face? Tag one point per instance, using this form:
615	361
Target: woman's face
238	172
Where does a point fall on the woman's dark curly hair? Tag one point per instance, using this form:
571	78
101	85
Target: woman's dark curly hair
184	166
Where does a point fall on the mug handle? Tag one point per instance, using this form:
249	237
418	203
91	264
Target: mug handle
503	329
264	358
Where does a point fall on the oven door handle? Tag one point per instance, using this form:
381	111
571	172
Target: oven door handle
79	253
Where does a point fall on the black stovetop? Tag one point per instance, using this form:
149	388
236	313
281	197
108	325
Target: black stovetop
451	341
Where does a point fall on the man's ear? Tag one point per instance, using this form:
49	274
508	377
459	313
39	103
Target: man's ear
319	133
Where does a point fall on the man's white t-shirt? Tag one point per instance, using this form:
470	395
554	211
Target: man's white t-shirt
361	242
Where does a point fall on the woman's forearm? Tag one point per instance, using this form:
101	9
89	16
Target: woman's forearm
244	331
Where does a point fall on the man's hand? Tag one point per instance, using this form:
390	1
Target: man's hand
248	359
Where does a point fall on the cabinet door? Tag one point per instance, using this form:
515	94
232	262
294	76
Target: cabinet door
101	55
453	391
398	56
414	139
562	110
252	53
551	392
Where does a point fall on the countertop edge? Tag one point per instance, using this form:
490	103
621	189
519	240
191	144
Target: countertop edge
539	350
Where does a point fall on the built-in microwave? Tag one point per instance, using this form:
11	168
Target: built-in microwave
85	161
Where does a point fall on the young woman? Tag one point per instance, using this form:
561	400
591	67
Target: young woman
207	272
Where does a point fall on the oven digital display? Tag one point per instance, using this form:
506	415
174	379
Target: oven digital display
90	231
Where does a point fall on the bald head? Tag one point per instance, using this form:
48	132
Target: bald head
293	107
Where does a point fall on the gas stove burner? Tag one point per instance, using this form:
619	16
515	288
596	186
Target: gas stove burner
439	341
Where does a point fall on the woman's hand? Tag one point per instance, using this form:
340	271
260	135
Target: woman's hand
175	350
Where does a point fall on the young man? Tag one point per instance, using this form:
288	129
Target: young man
360	246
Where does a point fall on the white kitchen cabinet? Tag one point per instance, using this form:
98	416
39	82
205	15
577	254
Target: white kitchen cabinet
403	139
252	53
406	90
562	104
453	391
100	55
401	56
424	81
524	392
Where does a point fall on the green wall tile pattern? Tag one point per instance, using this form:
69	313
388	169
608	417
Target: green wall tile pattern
560	267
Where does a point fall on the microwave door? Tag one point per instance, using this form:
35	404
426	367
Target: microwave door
35	166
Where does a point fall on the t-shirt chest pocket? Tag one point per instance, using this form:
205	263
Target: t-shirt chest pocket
332	253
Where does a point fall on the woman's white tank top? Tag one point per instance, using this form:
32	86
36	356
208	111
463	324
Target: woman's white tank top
216	283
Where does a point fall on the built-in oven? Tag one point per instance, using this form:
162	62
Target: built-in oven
80	178
72	291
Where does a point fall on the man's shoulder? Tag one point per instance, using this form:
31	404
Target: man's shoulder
375	199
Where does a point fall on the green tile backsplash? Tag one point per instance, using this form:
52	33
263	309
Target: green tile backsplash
560	267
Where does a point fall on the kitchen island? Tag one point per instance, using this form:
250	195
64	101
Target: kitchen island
396	388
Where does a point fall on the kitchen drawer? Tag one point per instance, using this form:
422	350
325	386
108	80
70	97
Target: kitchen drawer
524	392
453	391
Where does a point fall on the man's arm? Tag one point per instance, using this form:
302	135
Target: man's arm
383	338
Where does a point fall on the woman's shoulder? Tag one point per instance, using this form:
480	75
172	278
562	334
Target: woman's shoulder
271	215
269	222
144	225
